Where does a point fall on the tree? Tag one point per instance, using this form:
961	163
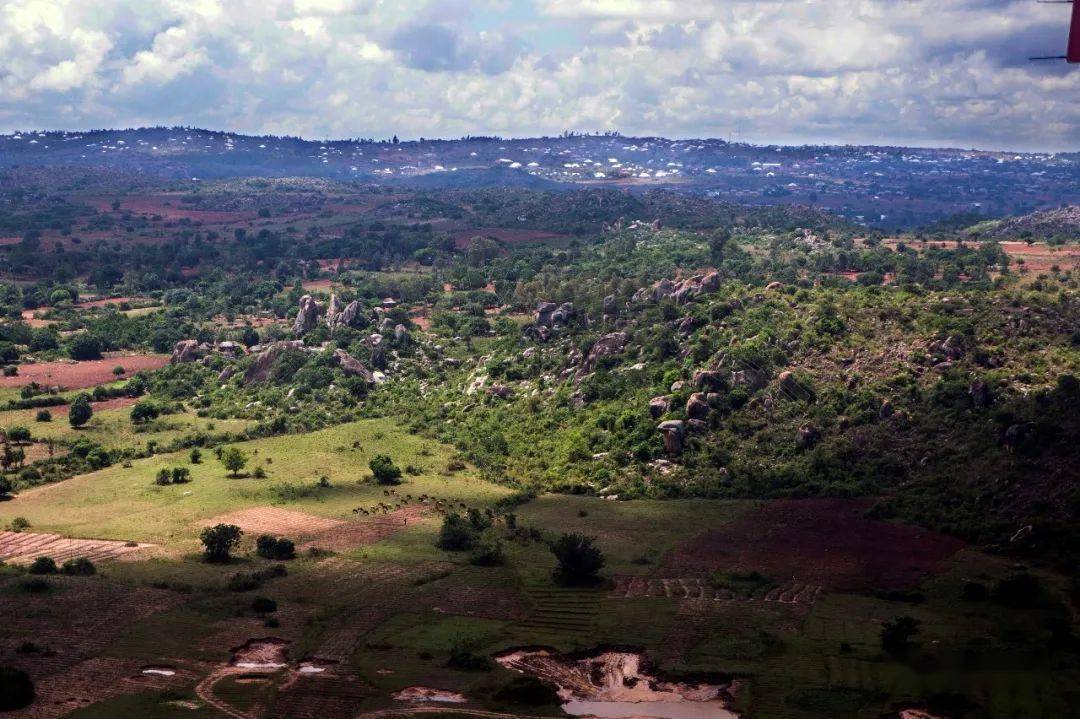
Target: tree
144	410
80	411
16	689
270	547
78	567
195	456
181	475
384	470
219	541
5	487
233	459
263	605
84	346
718	243
579	559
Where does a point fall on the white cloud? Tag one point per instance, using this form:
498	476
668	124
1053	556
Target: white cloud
844	70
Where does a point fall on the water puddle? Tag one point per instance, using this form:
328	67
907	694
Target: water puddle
159	671
617	683
309	668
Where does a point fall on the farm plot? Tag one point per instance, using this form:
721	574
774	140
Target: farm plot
24	547
80	375
696	588
826	542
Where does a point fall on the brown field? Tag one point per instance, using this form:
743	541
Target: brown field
25	547
509	235
274	520
72	625
826	542
367	530
80	375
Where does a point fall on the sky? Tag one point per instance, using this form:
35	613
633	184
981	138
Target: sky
935	73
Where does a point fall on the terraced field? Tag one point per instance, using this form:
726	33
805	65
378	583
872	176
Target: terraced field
24	547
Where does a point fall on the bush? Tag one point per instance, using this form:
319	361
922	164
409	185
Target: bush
78	567
1022	591
43	565
181	475
457	534
37	585
80	411
5	487
144	411
195	456
489	551
84	346
164	477
384	470
270	547
579	560
219	541
43	415
16	689
19	524
18	433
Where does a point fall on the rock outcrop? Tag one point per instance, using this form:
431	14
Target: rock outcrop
697	407
610	344
659	406
352	367
259	371
308	315
673	431
682	291
548	314
185	351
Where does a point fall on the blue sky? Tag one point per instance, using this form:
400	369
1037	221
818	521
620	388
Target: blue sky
946	72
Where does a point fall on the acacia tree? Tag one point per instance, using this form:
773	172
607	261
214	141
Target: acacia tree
580	560
80	411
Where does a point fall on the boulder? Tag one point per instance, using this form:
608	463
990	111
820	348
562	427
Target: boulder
307	316
185	351
886	410
659	406
401	335
673	430
259	371
226	374
351	366
611	307
696	425
232	349
709	381
333	309
788	384
697	407
500	390
610	344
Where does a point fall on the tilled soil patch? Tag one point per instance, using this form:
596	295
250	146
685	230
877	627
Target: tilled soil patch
25	547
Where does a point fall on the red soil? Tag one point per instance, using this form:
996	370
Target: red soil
79	375
820	541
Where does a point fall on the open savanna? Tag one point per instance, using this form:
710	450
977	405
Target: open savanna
112	428
123	502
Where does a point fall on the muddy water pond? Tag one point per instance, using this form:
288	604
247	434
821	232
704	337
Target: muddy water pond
618	684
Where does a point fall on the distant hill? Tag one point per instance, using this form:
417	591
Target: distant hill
1062	223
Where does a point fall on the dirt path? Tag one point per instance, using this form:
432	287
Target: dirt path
379	713
205	691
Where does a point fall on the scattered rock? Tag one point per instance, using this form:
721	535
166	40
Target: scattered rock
307	316
697	407
807	436
352	366
673	430
659	406
610	344
259	371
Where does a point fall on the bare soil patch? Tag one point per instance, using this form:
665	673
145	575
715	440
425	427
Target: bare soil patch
826	542
369	530
25	547
80	375
275	520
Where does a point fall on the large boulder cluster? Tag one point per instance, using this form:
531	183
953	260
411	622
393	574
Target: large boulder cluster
682	291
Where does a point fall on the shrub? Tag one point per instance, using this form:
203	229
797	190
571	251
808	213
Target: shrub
43	415
244	582
37	585
144	410
457	534
219	541
489	551
5	487
579	560
163	477
384	470
195	456
78	567
84	346
80	411
43	565
1021	591
181	475
19	524
270	547
16	689
18	433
